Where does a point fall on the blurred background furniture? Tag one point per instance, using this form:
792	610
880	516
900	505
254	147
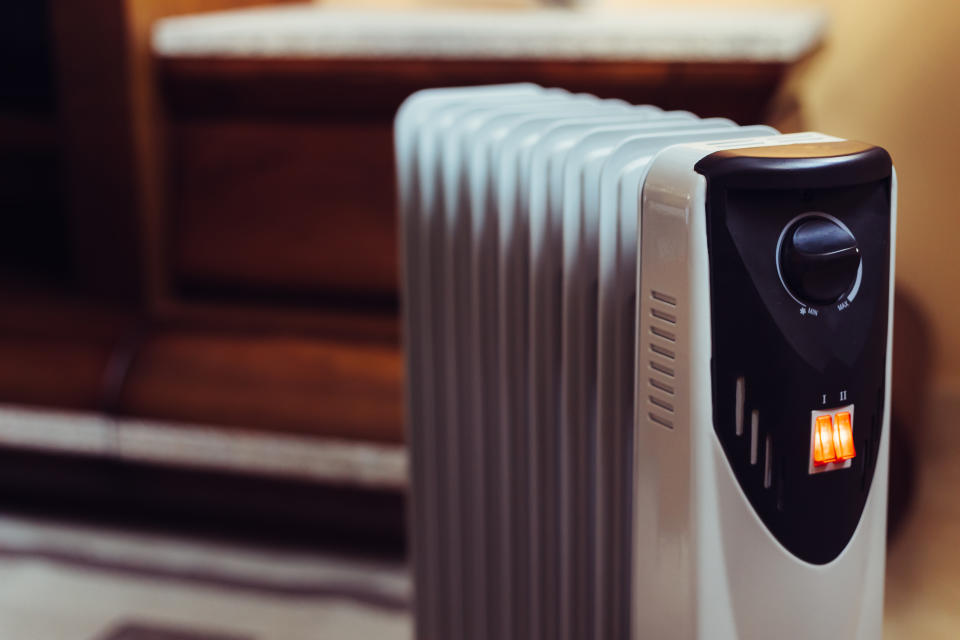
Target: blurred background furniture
199	258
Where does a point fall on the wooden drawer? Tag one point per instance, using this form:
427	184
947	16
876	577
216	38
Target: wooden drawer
272	208
280	383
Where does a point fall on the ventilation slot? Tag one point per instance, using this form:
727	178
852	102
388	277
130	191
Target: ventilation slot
663	315
662	386
661	421
661	333
754	435
663	404
660	351
768	462
663	297
741	397
667	371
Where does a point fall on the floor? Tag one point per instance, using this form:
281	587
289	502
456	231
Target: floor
81	582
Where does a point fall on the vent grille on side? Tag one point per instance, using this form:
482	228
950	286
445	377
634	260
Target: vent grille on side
661	356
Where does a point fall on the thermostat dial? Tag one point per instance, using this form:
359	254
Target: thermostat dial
819	259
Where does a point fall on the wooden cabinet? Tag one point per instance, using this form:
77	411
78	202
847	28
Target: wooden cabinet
219	242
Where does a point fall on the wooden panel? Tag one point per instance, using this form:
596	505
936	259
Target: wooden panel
104	87
281	171
60	353
58	372
148	143
283	207
344	381
221	87
287	383
356	325
97	145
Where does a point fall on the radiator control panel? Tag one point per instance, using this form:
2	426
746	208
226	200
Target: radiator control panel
799	252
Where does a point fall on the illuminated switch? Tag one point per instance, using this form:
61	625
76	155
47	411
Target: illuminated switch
824	449
843	436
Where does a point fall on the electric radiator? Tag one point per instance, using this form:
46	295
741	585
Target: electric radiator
626	331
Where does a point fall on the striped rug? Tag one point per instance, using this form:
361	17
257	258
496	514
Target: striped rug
70	582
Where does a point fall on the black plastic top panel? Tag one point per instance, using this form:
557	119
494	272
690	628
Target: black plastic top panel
812	165
792	355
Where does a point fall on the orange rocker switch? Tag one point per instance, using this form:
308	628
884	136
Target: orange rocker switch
833	439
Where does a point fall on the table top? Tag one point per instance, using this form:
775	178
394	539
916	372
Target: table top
642	34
